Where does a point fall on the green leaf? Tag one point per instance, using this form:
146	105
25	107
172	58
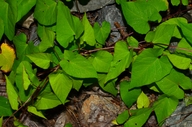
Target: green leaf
56	55
61	85
170	85
67	26
5	108
149	36
8	14
188	100
88	35
47	39
129	96
1	121
47	100
21	80
175	2
142	101
22	48
185	2
26	81
121	118
109	87
17	123
121	61
132	42
139	117
176	21
186	29
20	45
184	47
138	13
34	111
77	66
12	94
179	61
68	125
77	83
162	34
45	12
164	107
1	28
42	60
31	73
24	7
101	61
101	33
78	27
31	48
148	68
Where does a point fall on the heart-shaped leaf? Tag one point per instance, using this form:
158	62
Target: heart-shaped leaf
45	12
88	35
61	85
77	66
147	64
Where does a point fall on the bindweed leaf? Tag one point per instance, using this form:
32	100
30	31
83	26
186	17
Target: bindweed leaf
5	108
12	94
77	66
61	85
45	12
147	64
101	33
40	59
142	101
34	111
47	100
88	35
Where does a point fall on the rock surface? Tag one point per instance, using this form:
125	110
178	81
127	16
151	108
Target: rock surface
95	111
111	14
182	117
90	5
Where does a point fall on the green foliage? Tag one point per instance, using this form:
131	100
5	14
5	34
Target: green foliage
148	64
34	111
61	85
9	14
163	107
101	33
138	118
43	76
129	96
142	101
1	121
121	118
138	13
5	108
45	12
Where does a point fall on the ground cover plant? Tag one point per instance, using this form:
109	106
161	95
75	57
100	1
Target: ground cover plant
73	53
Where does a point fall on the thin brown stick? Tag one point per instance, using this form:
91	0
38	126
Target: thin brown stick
123	33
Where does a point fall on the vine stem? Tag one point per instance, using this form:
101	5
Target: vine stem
34	95
105	48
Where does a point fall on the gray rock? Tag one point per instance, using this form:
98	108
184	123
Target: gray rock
111	14
92	5
33	35
182	117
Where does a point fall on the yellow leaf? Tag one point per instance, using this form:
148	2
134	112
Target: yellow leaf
7	57
143	101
